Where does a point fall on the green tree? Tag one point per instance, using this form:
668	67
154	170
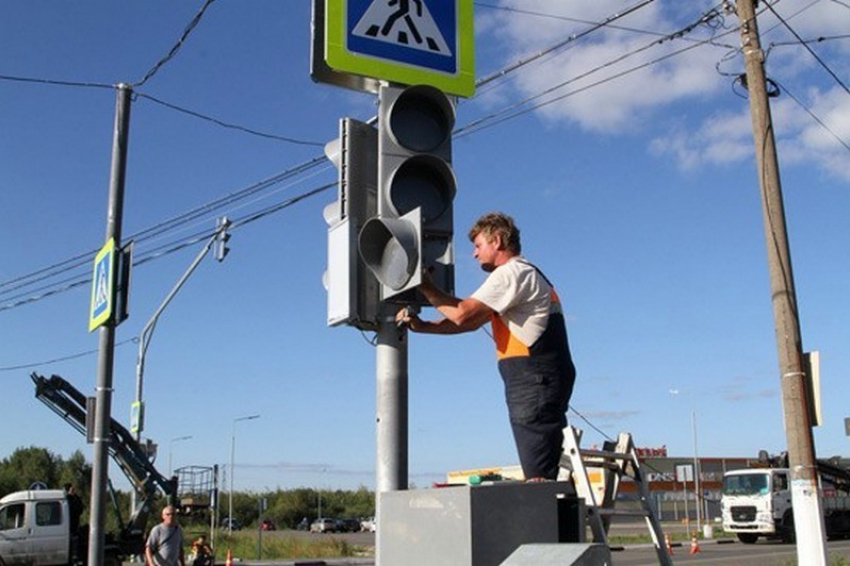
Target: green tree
26	466
291	506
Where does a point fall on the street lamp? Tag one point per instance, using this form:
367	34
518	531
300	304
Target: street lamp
232	457
138	414
170	446
697	487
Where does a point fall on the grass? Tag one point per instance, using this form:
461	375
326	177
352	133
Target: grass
833	561
244	545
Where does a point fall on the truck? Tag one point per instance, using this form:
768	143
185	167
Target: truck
756	502
35	525
35	528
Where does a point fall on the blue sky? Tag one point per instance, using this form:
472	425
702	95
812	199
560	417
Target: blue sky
636	192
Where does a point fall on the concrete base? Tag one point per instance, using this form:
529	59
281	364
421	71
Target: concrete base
560	555
475	525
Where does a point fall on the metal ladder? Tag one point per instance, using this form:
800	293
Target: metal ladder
615	460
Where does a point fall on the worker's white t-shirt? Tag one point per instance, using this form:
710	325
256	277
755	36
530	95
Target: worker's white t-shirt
520	296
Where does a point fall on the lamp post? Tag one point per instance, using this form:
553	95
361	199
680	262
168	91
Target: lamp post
697	484
319	491
170	446
232	457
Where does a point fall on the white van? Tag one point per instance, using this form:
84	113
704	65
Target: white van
35	528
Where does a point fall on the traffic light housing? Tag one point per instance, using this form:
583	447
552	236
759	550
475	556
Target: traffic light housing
221	238
413	230
352	289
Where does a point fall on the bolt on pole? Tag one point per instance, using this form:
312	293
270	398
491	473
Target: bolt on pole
807	506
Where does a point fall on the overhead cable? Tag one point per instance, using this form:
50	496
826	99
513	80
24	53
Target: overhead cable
519	64
228	125
809	49
177	45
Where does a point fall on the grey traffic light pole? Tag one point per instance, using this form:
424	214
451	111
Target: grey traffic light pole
106	356
391	409
808	511
391	403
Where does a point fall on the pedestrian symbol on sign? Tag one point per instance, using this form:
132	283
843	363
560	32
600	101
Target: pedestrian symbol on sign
404	23
102	290
101	293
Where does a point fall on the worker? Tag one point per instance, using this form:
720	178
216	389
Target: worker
528	327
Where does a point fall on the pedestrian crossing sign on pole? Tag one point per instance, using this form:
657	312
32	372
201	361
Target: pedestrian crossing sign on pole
409	42
103	286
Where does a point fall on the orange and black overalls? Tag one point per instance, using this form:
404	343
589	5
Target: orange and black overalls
538	384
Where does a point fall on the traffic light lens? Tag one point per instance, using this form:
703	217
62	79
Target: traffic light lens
421	120
396	262
390	249
423	181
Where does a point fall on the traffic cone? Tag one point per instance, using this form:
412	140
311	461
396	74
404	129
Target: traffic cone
229	561
694	544
667	544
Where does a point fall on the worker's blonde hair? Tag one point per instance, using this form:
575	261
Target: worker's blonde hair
498	224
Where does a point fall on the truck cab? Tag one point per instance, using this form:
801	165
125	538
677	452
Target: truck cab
757	502
35	528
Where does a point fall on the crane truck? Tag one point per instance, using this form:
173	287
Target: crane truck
35	525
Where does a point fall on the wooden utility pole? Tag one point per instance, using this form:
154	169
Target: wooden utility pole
808	515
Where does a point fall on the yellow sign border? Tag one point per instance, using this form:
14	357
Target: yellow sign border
107	250
340	59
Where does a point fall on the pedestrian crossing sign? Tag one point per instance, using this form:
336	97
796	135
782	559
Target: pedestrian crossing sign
102	286
408	42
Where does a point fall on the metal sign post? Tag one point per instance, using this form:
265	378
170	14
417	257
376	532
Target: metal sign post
103	391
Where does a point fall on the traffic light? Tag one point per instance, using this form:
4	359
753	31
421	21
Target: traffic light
416	186
221	238
352	289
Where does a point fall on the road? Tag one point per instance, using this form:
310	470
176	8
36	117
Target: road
717	552
764	553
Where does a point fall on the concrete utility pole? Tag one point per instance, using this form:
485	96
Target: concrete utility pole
808	516
106	356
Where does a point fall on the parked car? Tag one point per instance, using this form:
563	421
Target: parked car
324	525
349	525
368	525
268	525
226	524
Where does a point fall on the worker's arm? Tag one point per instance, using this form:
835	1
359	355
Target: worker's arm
460	315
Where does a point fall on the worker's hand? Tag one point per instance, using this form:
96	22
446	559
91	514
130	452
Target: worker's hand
406	317
428	275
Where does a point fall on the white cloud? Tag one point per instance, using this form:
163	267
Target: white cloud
677	101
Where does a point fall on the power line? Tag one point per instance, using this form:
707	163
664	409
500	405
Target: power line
513	10
814	116
820	39
183	219
177	46
809	49
54	82
63	358
551	49
505	113
160	251
169	105
228	125
179	221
